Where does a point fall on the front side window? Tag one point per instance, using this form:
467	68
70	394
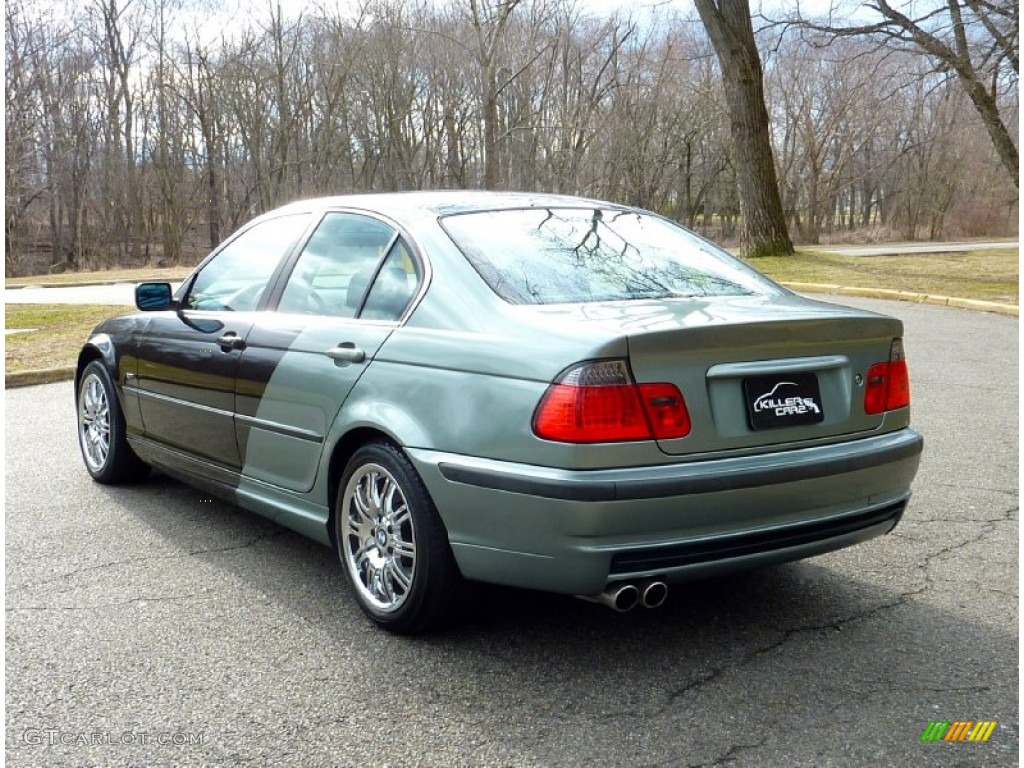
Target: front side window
235	279
340	271
571	255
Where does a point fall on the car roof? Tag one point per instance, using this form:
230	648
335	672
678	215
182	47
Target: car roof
443	202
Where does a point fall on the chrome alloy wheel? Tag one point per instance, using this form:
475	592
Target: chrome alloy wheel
94	422
379	547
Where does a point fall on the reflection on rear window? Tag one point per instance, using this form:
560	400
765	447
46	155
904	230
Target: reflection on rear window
568	255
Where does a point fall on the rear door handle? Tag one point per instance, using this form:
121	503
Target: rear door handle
231	340
346	352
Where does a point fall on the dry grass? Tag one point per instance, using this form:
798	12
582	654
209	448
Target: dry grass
990	275
58	336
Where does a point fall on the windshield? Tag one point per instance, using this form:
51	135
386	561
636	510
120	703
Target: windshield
571	255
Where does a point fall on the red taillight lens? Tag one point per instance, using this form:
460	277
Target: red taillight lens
899	386
591	414
888	384
599	403
876	388
666	410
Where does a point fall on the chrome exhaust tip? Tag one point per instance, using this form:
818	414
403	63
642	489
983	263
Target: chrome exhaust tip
619	597
653	594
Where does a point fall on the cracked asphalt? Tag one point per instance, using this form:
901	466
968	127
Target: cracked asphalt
142	617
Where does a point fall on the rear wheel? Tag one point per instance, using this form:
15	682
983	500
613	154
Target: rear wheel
393	543
101	430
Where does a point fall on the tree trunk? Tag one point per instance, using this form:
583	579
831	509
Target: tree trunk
987	108
492	170
728	25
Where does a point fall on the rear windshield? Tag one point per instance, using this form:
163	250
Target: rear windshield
571	255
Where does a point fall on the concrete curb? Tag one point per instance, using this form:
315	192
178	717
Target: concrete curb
50	375
42	376
919	298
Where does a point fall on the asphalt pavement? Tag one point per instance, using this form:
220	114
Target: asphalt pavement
108	293
148	625
896	249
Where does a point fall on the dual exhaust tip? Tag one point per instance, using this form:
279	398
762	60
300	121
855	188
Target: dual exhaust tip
625	596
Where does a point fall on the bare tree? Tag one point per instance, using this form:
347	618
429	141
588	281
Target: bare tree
118	35
168	131
583	73
729	26
133	135
22	184
975	39
490	20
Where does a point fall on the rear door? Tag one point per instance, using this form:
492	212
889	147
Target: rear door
188	362
345	294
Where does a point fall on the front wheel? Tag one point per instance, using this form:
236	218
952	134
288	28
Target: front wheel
393	543
101	430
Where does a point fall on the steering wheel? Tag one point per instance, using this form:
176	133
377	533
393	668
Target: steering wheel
300	297
244	299
317	301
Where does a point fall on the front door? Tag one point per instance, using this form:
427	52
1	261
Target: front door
187	368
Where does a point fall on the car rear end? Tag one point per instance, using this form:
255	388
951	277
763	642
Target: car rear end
739	480
737	425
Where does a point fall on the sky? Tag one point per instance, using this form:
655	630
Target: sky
210	26
596	7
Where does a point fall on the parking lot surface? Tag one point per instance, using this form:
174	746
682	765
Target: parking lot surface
149	625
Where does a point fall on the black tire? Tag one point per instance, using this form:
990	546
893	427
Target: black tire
102	436
393	545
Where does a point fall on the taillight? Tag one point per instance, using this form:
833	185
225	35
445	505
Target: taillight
599	402
888	384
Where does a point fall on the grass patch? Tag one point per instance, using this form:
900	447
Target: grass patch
59	333
170	275
989	275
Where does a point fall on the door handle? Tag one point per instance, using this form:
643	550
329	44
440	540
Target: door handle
346	352
230	341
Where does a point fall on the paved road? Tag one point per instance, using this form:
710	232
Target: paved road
116	293
151	612
893	249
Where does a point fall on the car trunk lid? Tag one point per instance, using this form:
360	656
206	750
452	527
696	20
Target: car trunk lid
760	371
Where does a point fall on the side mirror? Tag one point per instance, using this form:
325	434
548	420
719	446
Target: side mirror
153	297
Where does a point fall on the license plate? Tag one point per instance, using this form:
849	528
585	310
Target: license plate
788	400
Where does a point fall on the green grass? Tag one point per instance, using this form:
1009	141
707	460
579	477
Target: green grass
989	275
58	336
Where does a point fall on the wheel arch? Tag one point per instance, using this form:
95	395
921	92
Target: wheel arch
98	347
120	464
343	450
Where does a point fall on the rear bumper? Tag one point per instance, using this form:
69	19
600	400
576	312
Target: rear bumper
574	531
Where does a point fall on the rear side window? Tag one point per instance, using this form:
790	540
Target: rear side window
571	255
394	287
340	271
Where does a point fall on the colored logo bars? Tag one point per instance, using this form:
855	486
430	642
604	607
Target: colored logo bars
959	730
